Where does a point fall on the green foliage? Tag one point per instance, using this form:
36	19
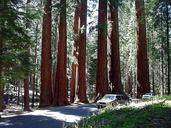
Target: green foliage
167	97
92	58
116	3
157	47
127	39
15	40
91	65
126	117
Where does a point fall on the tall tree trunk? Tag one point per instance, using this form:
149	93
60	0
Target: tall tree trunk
36	88
1	79
134	84
168	48
101	77
26	80
1	90
1	75
129	84
153	81
60	89
162	73
33	90
26	95
46	87
162	55
142	60
18	92
75	63
82	53
115	74
35	61
54	49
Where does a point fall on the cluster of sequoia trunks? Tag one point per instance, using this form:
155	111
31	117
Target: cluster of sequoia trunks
57	94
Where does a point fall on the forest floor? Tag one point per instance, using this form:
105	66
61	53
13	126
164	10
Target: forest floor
150	114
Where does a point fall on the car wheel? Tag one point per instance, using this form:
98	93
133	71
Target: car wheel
114	104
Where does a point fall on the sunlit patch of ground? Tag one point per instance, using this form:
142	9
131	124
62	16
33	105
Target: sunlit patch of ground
71	113
168	103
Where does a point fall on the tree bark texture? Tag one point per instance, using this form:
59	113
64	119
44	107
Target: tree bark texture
18	92
74	64
26	80
82	53
26	95
142	60
115	74
33	89
1	77
128	85
46	87
101	77
162	55
168	48
60	89
35	61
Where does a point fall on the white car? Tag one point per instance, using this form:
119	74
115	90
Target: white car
110	99
148	96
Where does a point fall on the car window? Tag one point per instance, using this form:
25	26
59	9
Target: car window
151	94
109	97
119	97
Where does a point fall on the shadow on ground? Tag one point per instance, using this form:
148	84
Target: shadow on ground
30	121
54	117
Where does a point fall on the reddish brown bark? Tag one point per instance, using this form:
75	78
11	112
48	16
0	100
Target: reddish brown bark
46	88
73	77
72	84
60	89
101	77
115	74
26	95
142	60
82	53
26	81
33	89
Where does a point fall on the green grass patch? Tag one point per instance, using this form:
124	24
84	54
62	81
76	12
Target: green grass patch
167	97
125	117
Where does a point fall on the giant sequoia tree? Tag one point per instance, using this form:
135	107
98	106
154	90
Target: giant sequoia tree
75	52
82	53
101	77
60	89
115	74
142	60
46	89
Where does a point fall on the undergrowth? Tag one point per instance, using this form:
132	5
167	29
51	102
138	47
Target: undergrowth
128	117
